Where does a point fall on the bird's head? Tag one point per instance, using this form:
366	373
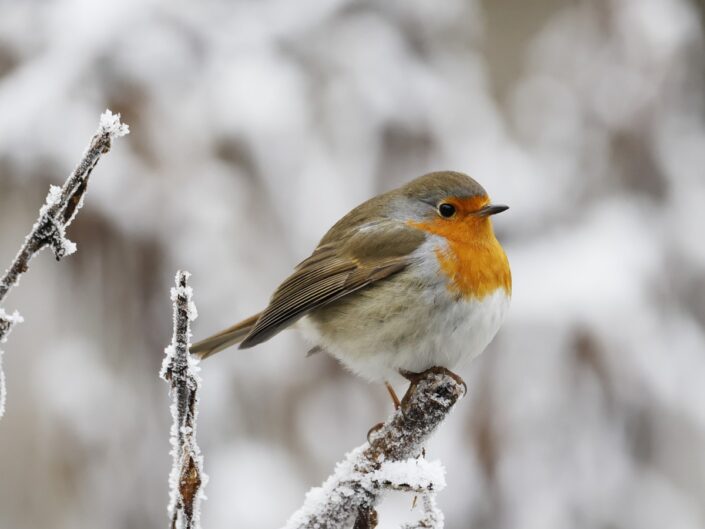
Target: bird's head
450	204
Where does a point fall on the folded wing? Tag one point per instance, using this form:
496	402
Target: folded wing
336	269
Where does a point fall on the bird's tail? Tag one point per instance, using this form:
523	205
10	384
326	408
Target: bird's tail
225	338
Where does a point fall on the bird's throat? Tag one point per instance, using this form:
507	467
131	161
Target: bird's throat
471	257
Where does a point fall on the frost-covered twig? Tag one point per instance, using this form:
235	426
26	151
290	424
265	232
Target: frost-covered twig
6	323
389	460
187	479
63	203
432	516
56	214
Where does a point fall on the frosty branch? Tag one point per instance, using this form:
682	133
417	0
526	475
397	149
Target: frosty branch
390	460
60	208
187	479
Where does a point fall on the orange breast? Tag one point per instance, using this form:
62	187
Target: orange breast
475	271
473	260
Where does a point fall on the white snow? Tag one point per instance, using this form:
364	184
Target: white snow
350	478
169	351
6	322
417	474
52	199
192	311
12	319
266	122
317	496
69	246
110	124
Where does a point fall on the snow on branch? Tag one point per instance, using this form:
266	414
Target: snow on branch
390	460
180	369
59	209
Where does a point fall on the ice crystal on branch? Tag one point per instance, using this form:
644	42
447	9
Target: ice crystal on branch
110	124
59	209
6	323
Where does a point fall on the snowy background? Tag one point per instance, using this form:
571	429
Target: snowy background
254	126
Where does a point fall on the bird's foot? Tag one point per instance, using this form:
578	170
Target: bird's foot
372	431
415	377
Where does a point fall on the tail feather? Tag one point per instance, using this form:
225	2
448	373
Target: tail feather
225	338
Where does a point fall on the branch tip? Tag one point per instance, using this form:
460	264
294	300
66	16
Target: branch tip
59	209
111	125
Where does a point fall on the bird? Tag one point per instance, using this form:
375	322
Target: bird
410	280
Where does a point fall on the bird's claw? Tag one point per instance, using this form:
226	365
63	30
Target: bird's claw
376	428
415	377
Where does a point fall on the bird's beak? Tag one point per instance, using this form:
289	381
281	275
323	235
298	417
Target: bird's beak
491	209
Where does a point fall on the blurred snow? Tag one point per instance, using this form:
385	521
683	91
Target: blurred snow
246	501
253	127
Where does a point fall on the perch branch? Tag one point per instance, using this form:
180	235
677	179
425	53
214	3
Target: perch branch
60	208
390	460
187	478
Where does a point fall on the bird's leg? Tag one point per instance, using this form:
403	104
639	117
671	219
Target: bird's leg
415	377
393	394
397	405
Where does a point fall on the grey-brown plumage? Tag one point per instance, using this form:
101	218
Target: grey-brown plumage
368	244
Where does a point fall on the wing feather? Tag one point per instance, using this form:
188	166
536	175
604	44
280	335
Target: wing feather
334	271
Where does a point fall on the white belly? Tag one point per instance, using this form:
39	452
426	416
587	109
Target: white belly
437	331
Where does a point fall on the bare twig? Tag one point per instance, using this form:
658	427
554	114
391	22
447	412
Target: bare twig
350	495
187	478
60	208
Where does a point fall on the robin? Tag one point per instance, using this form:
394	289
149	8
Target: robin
410	280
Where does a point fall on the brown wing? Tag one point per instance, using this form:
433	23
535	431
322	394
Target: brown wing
335	270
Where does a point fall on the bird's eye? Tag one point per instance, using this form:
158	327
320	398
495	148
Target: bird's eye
446	210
